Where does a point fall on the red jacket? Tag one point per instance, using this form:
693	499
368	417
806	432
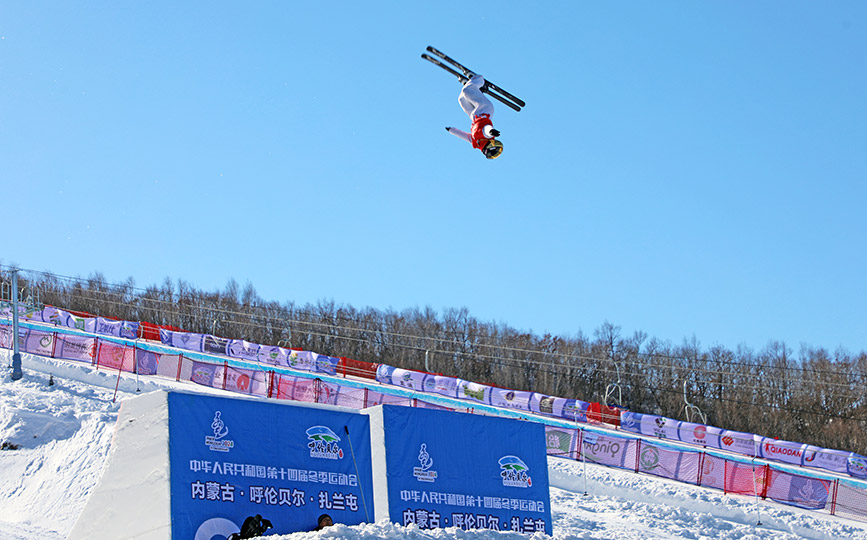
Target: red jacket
477	132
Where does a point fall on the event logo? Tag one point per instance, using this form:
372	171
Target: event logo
699	432
423	473
857	466
323	443
217	442
514	472
649	458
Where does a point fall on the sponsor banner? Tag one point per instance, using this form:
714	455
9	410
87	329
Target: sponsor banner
571	409
649	424
124	329
737	441
303	360
471	391
204	373
55	316
669	463
38	342
276	356
561	442
146	362
215	345
857	465
6	336
511	399
699	434
439	475
86	324
326	364
114	356
78	348
438	384
823	458
713	471
239	380
605	450
182	340
234	458
238	348
783	451
797	490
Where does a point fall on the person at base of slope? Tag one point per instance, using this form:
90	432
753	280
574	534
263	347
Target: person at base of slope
479	108
323	522
253	526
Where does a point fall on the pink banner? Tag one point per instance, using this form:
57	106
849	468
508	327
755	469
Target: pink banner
114	356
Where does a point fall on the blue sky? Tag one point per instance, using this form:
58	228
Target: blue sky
681	168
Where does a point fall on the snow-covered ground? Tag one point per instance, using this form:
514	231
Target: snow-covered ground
63	435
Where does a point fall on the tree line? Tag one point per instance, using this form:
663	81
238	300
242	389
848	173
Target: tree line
810	395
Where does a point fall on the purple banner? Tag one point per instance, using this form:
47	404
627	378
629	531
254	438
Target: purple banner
203	373
511	399
238	348
38	342
78	348
471	391
699	434
611	451
736	441
182	340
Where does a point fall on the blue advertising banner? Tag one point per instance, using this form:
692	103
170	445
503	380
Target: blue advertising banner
231	459
448	469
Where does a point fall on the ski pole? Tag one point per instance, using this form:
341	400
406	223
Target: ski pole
355	464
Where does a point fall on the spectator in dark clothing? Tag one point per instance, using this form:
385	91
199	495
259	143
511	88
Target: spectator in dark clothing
323	521
253	526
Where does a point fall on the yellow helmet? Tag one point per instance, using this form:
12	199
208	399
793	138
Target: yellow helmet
493	149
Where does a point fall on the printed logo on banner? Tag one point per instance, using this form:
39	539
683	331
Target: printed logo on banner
659	431
649	458
217	442
699	432
774	450
423	473
858	466
514	472
546	405
808	492
323	443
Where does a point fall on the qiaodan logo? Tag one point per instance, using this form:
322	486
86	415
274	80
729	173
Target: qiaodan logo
423	473
514	472
323	443
218	441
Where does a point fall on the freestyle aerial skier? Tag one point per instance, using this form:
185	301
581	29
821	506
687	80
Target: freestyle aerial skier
476	105
482	134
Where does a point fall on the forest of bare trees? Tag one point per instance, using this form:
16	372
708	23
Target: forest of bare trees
810	395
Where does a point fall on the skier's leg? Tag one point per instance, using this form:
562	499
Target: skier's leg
472	100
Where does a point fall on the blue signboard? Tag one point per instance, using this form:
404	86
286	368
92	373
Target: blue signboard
449	469
231	459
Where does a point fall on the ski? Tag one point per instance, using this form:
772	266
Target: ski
491	89
464	78
469	73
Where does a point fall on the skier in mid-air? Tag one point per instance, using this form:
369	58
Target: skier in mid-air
479	108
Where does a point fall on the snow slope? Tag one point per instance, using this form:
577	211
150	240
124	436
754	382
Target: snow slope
63	435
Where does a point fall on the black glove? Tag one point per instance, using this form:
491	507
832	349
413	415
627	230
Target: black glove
448	128
495	133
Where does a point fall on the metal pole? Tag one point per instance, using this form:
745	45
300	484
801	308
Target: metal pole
16	356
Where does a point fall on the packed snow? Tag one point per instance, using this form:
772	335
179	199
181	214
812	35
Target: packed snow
56	438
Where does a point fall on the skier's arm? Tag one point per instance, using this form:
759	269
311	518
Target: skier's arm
460	134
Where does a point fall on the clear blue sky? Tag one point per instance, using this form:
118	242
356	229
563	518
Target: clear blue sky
681	168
